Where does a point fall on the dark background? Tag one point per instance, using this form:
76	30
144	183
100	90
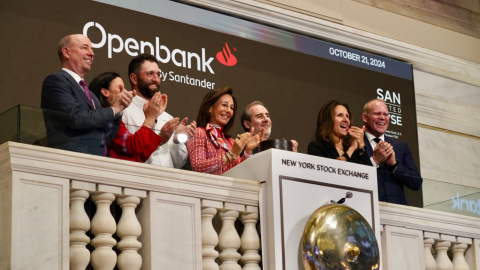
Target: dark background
292	85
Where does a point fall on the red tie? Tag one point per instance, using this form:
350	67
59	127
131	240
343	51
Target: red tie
83	84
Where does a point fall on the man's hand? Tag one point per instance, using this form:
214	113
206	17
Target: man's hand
294	145
254	140
168	129
187	130
154	107
382	152
391	159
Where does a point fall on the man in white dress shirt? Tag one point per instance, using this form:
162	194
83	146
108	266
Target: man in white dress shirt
144	75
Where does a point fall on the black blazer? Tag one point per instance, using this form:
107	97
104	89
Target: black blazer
71	121
390	184
328	150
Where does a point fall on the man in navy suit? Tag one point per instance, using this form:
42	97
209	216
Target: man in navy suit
74	117
393	159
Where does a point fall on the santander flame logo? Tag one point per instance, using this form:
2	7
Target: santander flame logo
226	57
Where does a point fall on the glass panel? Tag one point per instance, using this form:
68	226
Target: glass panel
453	198
32	126
9	124
88	134
399	188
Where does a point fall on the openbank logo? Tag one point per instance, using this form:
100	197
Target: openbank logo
180	58
462	204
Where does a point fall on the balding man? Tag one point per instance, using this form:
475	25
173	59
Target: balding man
74	118
257	116
393	159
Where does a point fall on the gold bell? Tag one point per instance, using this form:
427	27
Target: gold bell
338	237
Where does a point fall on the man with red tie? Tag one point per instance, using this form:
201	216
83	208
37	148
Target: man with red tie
74	118
392	158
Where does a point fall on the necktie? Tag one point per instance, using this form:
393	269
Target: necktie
83	84
377	140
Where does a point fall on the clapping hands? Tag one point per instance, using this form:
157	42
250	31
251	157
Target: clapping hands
154	107
247	141
184	131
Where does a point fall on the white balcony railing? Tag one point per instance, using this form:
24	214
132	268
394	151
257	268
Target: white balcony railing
174	219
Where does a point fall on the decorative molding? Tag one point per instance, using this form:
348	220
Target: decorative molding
421	58
41	202
127	174
448	115
462	17
175	220
396	238
429	220
449	131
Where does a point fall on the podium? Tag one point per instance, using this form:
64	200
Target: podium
294	185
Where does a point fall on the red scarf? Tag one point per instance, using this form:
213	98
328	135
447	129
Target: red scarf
215	133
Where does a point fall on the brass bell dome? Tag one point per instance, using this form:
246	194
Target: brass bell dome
337	237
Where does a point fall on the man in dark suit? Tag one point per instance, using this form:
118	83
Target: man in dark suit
74	117
393	159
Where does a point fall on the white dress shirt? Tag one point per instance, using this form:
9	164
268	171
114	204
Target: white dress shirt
167	155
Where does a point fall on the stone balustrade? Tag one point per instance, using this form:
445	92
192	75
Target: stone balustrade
173	219
414	238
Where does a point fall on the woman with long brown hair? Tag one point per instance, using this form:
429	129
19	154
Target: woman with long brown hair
212	149
335	137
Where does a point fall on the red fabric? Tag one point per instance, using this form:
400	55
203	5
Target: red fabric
135	147
214	132
205	157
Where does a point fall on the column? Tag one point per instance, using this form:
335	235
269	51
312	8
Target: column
430	263
103	227
229	241
79	225
458	250
209	239
129	229
250	241
443	262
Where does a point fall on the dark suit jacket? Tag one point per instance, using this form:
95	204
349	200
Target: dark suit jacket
328	150
390	184
71	121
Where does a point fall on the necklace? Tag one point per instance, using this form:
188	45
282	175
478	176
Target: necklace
340	150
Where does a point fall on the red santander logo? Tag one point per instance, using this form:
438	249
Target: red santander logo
226	57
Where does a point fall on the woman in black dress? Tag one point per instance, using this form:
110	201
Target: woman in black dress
335	137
